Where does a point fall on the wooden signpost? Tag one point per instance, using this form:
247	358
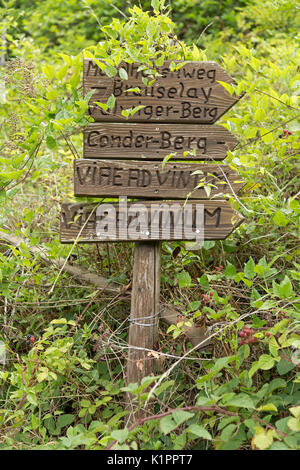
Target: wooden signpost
181	199
147	220
155	141
189	94
148	179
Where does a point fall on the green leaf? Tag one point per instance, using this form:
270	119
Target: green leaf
184	279
199	431
167	424
123	74
267	407
110	70
227	87
265	362
155	5
230	270
295	410
42	374
249	269
285	288
280	219
180	416
294	424
263	441
241	400
228	431
278	446
50	142
120	435
111	102
284	366
65	420
101	105
31	397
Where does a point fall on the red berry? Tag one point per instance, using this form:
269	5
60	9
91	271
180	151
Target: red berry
211	294
221	267
251	340
242	341
32	338
268	334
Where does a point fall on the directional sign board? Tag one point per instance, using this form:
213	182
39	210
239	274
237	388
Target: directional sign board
155	141
184	92
151	220
174	115
103	178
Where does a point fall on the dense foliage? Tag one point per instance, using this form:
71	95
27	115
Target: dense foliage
62	373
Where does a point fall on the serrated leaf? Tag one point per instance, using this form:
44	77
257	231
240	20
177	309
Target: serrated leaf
120	435
180	416
65	420
199	431
249	269
263	441
241	400
284	366
295	410
184	279
294	424
265	362
167	424
230	270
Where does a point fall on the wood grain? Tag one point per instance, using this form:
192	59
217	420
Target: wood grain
155	141
84	222
149	180
144	315
189	94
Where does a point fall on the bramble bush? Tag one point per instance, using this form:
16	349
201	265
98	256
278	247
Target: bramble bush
65	388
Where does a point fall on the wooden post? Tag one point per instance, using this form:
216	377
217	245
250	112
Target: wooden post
144	313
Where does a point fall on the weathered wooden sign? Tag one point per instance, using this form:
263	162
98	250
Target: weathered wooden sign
188	93
150	180
124	159
155	141
147	220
